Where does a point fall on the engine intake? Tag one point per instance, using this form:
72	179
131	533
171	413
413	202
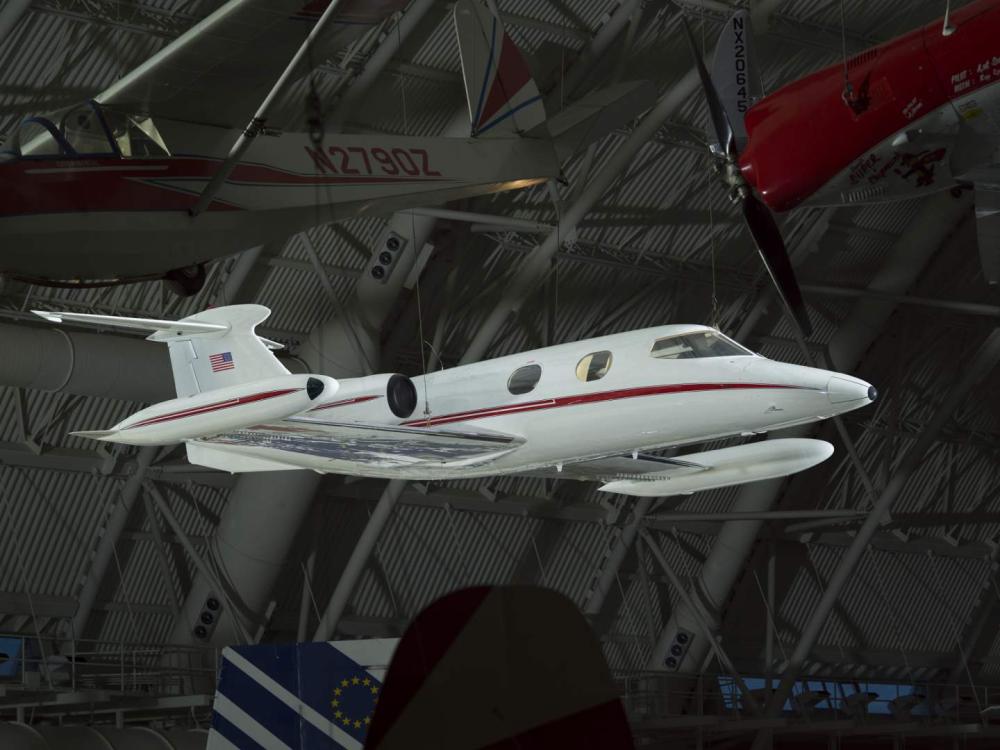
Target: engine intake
401	395
376	398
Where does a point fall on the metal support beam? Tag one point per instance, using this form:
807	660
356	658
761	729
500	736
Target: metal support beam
257	123
608	574
938	219
358	560
255	532
596	50
378	60
105	551
981	365
536	267
161	554
11	15
966	308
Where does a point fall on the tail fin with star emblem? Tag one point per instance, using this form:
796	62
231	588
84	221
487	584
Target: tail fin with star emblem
299	696
498	667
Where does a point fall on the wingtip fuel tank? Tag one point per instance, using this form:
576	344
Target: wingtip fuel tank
728	466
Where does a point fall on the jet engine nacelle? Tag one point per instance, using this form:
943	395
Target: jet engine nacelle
220	410
385	398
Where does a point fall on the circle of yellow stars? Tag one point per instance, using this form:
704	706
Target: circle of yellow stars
338	713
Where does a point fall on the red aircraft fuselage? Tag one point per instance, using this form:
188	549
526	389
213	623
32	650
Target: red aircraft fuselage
894	135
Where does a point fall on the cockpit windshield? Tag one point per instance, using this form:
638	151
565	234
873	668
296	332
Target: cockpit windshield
89	130
84	131
697	345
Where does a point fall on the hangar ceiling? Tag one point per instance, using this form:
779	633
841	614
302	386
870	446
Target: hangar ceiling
894	290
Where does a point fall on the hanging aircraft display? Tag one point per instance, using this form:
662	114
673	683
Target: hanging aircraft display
918	114
584	410
106	192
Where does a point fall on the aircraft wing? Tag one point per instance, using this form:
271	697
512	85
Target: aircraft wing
652	476
346	446
220	70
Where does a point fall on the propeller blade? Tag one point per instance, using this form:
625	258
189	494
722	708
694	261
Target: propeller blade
767	238
720	120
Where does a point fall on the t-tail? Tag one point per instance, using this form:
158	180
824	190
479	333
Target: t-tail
735	73
499	667
226	377
503	97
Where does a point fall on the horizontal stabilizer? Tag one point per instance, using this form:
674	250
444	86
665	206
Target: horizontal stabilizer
727	466
594	116
175	327
138	324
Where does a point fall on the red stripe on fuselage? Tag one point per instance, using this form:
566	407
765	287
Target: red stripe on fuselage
219	405
590	398
107	183
346	402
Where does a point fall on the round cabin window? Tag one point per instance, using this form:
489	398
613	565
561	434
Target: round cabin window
524	379
594	366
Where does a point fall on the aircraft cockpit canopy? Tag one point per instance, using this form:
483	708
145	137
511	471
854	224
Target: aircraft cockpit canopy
89	129
697	345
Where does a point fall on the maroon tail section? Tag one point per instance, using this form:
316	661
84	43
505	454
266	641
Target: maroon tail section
499	668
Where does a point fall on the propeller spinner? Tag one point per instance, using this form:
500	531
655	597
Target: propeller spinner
758	217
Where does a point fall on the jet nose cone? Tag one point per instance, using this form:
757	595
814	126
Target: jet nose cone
844	390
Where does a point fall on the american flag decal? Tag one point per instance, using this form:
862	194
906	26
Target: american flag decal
221	361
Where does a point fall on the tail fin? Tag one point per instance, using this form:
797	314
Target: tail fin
735	73
213	349
503	97
206	361
503	667
299	695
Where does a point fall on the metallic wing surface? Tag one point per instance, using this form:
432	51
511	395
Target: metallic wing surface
349	447
218	71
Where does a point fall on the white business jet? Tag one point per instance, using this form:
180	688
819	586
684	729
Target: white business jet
584	410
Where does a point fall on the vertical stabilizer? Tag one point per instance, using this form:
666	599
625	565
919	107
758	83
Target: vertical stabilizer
203	361
503	97
301	696
735	73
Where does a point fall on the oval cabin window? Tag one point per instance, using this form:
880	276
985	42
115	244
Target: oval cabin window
594	366
524	379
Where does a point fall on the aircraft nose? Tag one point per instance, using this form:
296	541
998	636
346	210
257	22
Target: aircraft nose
842	390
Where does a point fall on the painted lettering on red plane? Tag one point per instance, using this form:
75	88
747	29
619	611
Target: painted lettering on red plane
740	65
362	160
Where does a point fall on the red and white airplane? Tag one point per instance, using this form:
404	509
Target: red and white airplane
583	410
918	114
104	192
